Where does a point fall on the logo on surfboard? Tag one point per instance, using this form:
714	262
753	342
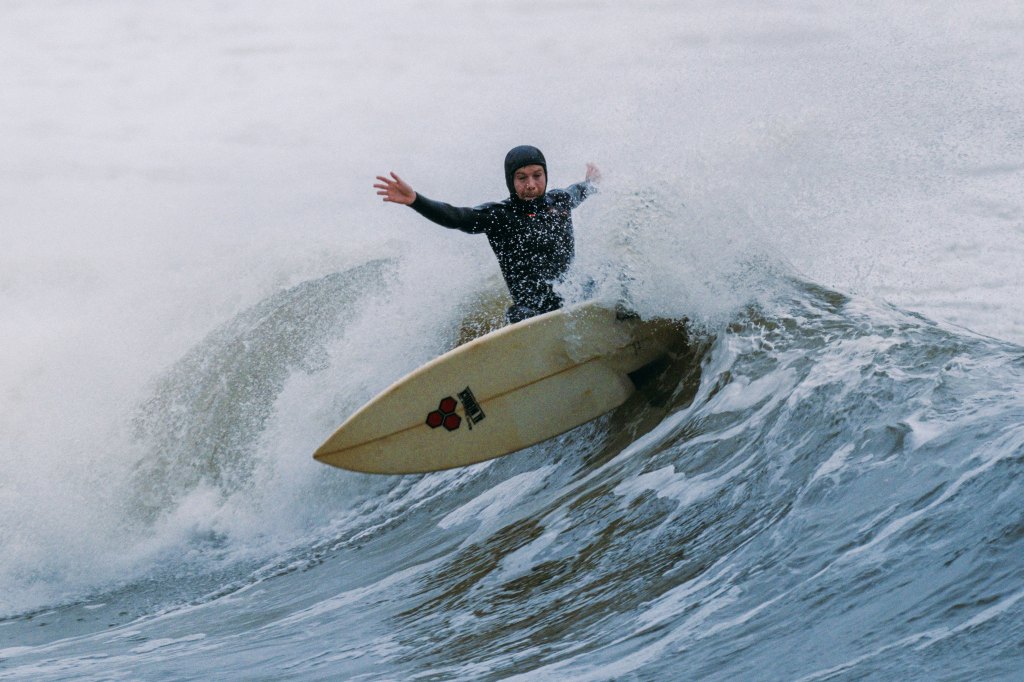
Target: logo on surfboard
445	414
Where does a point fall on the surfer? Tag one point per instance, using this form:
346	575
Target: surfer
530	232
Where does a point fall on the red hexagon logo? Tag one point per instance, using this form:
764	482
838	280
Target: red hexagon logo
445	415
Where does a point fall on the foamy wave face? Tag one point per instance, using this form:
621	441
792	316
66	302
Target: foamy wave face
108	493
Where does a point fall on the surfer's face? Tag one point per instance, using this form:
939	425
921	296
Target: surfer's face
530	181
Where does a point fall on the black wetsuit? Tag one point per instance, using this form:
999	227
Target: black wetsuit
533	240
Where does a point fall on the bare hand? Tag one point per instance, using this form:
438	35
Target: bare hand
593	173
395	189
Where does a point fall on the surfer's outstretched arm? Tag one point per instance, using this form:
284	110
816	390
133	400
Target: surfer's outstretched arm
469	220
395	189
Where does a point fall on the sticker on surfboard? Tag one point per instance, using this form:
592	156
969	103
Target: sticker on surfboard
446	416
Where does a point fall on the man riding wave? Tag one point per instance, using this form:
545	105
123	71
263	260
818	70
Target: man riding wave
531	232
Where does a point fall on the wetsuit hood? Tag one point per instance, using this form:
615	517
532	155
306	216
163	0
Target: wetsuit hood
517	157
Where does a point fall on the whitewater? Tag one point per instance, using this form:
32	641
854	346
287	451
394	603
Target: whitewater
198	284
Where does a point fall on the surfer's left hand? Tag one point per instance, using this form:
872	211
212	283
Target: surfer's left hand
593	173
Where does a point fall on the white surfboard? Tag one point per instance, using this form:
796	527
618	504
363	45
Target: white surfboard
507	390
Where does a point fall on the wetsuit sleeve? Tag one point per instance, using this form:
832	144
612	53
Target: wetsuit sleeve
580	191
471	220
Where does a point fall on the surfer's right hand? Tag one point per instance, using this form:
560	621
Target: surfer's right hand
395	189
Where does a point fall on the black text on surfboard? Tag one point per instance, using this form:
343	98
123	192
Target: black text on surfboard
473	411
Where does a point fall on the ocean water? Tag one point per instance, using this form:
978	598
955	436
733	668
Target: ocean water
198	284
